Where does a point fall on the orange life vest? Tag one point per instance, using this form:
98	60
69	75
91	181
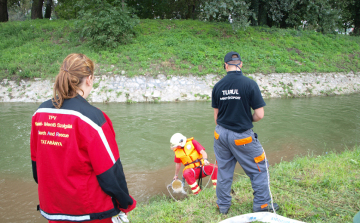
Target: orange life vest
188	155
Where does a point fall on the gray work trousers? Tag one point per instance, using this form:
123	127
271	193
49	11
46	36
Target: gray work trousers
251	158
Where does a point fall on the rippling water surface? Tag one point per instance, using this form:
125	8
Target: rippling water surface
291	127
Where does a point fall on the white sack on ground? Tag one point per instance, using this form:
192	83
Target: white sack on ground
260	216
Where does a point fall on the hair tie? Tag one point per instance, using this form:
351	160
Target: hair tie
65	70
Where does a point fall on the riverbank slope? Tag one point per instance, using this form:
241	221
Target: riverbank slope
36	48
311	189
177	60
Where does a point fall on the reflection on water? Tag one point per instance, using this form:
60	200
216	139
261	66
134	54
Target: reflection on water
309	125
291	127
18	200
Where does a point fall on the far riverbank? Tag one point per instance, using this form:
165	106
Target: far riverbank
161	88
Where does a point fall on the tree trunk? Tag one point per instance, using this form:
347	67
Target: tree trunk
254	6
48	9
189	12
36	9
357	19
4	16
263	13
356	30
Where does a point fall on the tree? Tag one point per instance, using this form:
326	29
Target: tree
4	16
286	13
188	9
36	9
48	7
260	12
353	15
151	9
322	15
236	12
169	9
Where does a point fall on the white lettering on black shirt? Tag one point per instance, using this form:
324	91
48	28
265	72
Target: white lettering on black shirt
231	94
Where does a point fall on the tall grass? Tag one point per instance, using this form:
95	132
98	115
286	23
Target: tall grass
175	47
310	189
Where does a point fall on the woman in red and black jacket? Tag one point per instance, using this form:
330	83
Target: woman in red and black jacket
75	157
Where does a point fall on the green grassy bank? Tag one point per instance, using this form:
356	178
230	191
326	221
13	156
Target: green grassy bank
175	47
310	188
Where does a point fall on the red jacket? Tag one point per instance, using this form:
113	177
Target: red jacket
76	163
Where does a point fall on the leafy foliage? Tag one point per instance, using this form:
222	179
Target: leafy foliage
322	16
286	13
167	9
319	15
19	10
67	9
326	16
237	12
106	23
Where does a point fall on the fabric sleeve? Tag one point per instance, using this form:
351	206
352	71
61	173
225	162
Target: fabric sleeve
105	159
33	148
130	207
177	160
213	99
113	183
197	146
256	99
102	147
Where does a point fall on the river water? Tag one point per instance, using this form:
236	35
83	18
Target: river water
290	127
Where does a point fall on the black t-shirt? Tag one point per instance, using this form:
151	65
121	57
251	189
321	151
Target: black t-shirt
234	96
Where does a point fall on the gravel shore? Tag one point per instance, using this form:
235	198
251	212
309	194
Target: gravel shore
161	88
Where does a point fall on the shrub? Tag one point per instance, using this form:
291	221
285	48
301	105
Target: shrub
107	23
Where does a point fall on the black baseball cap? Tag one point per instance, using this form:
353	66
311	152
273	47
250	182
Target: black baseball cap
229	56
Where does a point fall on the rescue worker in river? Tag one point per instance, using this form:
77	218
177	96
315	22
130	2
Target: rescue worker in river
192	154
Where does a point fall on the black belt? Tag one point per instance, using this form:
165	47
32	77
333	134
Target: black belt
195	161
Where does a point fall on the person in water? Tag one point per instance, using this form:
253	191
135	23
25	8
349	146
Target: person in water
192	154
75	157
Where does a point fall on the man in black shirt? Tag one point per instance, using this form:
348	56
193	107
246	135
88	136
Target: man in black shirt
233	97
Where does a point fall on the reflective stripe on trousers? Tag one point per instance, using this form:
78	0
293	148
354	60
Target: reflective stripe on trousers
231	147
